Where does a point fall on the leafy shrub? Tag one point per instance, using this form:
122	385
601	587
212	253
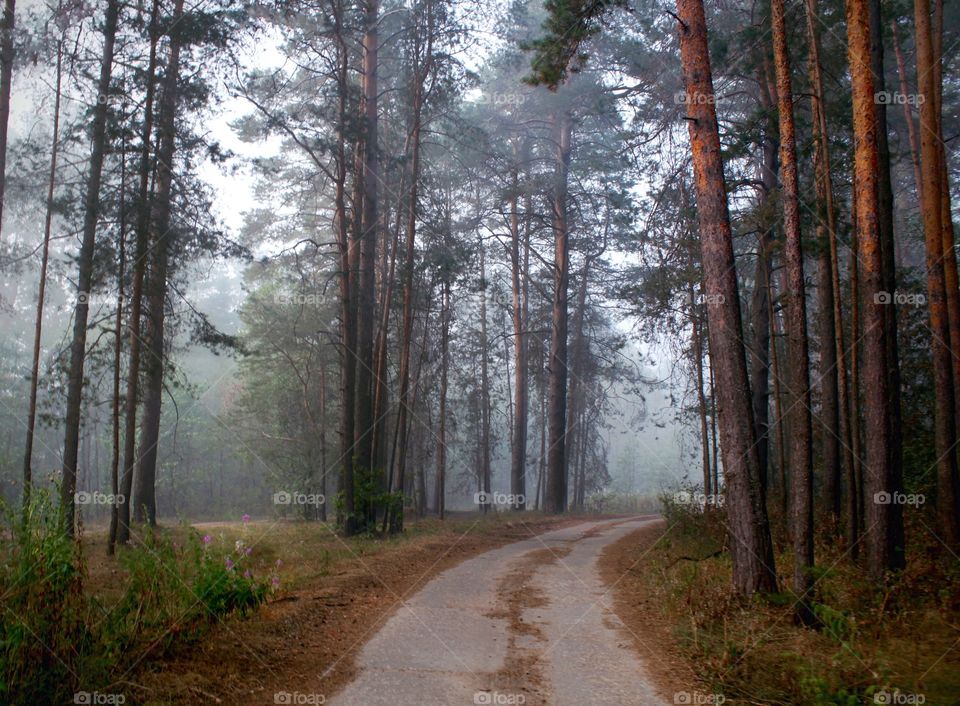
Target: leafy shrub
818	692
225	582
43	636
835	623
369	501
56	639
691	513
155	594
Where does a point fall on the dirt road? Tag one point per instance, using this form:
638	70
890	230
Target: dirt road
529	623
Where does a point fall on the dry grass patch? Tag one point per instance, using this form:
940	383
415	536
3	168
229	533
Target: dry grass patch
673	586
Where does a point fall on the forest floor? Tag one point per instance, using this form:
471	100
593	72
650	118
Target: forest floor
647	628
898	643
335	594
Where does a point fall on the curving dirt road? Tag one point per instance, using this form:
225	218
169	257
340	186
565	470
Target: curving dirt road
530	623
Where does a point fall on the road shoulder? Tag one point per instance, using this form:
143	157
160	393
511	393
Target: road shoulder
645	628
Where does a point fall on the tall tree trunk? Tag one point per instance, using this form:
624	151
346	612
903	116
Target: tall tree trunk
419	481
323	439
145	492
697	342
42	287
801	451
888	257
134	318
518	451
423	56
7	23
827	215
713	429
950	506
829	418
944	422
345	251
542	461
578	453
583	443
760	306
778	407
78	343
556	497
908	112
118	358
751	547
875	377
368	249
442	424
509	377
574	435
381	392
485	474
950	275
856	330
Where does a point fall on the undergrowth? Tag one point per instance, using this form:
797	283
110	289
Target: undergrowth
876	642
62	644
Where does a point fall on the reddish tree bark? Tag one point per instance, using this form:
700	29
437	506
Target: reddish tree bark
369	224
346	280
877	471
907	112
801	456
751	547
944	422
834	422
760	302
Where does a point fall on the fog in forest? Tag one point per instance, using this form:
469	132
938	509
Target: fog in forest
452	352
210	466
